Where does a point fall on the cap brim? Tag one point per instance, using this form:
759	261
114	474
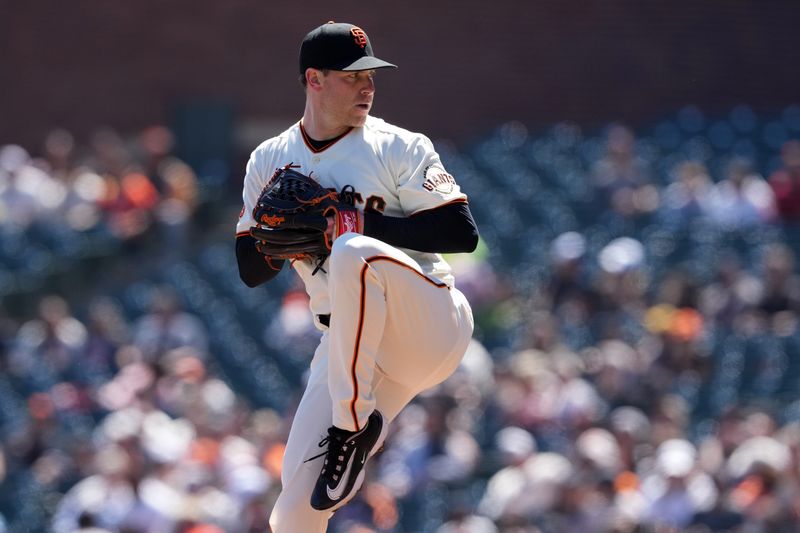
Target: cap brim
368	63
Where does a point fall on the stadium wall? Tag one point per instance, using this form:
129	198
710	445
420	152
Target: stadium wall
465	66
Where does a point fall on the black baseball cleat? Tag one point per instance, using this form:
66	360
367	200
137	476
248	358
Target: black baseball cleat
343	470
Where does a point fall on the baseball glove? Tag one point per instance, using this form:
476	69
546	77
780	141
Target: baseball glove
292	216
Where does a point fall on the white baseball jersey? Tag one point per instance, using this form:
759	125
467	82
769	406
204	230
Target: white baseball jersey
393	171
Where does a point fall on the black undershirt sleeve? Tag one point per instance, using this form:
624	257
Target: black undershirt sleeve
254	269
446	229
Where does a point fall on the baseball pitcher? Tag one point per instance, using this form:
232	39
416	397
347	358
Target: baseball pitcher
360	209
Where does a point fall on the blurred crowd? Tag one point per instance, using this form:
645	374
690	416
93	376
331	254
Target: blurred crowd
125	428
126	187
607	395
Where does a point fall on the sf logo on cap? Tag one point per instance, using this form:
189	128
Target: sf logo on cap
359	36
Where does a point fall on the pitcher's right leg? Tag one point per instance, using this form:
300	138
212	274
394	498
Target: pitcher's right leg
303	457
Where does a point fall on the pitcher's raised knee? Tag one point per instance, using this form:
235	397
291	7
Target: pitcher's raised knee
352	249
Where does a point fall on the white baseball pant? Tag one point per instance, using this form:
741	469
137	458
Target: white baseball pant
394	332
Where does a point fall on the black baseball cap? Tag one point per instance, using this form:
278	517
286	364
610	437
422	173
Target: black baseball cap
338	46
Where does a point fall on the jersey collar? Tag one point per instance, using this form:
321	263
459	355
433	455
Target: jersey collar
320	146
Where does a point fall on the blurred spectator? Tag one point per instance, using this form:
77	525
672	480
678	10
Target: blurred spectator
428	449
59	157
504	490
620	285
82	189
175	182
620	373
561	310
127	203
108	331
569	279
292	330
676	490
743	198
680	327
781	284
688	197
108	152
785	182
733	291
48	345
155	144
631	429
129	194
24	190
622	178
167	326
103	499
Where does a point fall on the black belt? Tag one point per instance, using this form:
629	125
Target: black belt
325	320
